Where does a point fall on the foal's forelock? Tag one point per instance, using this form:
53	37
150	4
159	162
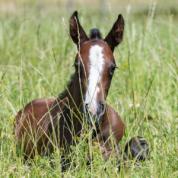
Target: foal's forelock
94	87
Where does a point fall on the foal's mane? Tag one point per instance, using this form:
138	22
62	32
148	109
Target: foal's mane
95	33
66	91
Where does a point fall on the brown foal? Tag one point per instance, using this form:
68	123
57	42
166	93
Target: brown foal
43	123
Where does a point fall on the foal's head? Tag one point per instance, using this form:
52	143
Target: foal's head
95	63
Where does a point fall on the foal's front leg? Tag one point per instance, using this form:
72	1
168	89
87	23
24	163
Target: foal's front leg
111	132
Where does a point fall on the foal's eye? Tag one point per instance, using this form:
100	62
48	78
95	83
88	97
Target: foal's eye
112	69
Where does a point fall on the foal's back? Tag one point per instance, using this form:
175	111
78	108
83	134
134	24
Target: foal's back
32	124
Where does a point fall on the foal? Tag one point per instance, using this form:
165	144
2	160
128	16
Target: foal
84	98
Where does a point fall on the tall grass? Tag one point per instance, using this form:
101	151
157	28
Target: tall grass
36	57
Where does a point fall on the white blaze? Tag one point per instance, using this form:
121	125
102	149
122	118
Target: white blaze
96	61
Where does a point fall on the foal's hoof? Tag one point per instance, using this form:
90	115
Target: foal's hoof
137	148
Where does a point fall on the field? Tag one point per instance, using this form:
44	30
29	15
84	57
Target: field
36	58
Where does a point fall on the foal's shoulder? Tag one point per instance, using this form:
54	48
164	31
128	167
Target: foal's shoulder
111	111
114	117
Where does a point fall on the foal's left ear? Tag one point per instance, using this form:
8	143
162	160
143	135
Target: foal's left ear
77	33
115	36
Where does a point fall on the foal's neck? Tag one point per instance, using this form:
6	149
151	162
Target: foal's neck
73	92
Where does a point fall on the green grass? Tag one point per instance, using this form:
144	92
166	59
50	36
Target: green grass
36	57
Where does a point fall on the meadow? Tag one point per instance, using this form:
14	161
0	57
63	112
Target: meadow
36	61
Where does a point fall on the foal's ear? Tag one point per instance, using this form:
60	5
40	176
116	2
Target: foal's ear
77	33
115	36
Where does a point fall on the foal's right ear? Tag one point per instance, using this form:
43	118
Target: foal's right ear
115	36
77	33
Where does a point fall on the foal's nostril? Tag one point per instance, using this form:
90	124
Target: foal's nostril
86	106
101	109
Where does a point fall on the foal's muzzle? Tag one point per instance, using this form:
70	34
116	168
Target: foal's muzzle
95	118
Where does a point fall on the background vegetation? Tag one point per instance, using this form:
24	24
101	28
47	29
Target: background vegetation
36	57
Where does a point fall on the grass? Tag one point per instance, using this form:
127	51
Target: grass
36	57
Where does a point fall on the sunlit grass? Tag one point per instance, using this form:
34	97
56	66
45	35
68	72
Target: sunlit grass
36	58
